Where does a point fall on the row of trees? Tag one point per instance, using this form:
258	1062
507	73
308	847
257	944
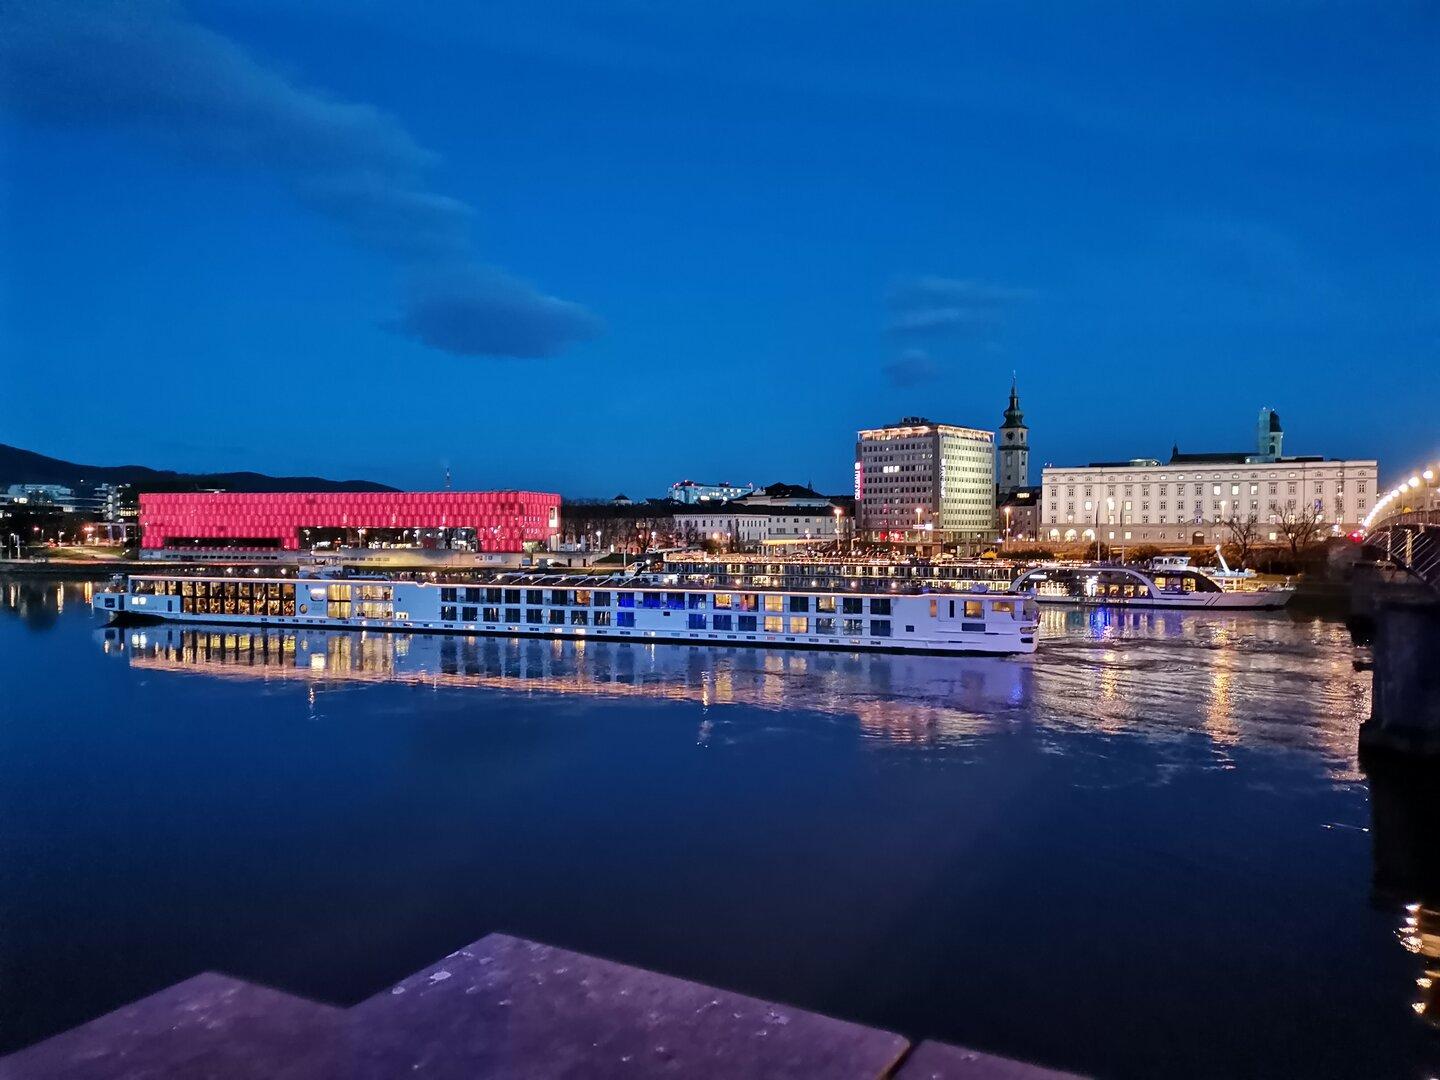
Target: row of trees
1300	527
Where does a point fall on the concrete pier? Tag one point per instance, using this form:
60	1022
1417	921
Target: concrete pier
501	1007
1405	704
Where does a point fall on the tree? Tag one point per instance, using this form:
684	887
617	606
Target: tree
1244	533
1300	525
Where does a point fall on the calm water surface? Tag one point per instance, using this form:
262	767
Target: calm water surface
1147	849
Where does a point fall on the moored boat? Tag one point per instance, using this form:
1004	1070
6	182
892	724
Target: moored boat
1128	586
581	607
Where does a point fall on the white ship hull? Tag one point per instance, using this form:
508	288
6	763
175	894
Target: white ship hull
954	624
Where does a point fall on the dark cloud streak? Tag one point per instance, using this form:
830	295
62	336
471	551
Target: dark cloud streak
148	67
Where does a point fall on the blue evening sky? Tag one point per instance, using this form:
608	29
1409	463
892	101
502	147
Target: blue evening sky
711	240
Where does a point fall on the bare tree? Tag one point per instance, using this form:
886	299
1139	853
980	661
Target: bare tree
1244	531
1300	525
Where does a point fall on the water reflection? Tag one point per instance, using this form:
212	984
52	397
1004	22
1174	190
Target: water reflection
39	602
1236	680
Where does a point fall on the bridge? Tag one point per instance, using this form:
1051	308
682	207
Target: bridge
1403	529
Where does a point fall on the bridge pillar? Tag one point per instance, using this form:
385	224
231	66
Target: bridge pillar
1405	703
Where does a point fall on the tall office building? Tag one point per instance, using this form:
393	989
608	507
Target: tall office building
922	481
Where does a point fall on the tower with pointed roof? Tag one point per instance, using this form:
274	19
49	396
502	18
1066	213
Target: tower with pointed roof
1013	447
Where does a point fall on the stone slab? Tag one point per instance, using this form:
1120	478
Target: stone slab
209	1027
504	1007
939	1061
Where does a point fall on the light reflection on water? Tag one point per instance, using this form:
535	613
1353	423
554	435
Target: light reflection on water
1252	679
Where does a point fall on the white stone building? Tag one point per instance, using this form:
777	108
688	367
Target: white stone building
925	482
1189	498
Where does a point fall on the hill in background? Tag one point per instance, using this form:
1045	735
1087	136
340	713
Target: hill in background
27	467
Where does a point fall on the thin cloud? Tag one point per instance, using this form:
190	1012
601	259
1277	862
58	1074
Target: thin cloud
911	368
936	306
149	68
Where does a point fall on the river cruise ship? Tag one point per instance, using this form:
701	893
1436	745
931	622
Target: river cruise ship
1109	585
580	607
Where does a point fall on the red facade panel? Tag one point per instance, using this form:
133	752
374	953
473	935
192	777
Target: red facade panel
502	520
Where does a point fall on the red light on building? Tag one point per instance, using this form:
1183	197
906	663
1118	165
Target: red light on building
501	520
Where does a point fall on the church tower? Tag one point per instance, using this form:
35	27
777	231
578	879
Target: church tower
1013	446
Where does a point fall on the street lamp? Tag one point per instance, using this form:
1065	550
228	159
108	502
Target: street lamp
1007	524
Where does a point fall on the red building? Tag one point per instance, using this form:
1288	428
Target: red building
291	521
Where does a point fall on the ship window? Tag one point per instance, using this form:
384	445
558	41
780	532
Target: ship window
1006	607
854	627
512	596
825	603
582	597
745	623
625	618
696	621
472	596
879	627
721	600
600	599
852	605
747	602
774	624
880	606
534	596
560	597
722	622
467	614
625	599
825	625
695	599
675	601
651	599
490	615
512	614
799	603
602	618
534	616
492	596
974	609
579	617
557	618
799	624
774	602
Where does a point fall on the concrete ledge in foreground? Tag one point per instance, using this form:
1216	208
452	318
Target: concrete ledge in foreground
501	1007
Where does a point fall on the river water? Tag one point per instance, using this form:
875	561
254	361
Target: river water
1148	849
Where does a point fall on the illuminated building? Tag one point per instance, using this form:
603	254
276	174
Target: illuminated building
275	522
923	482
1189	498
